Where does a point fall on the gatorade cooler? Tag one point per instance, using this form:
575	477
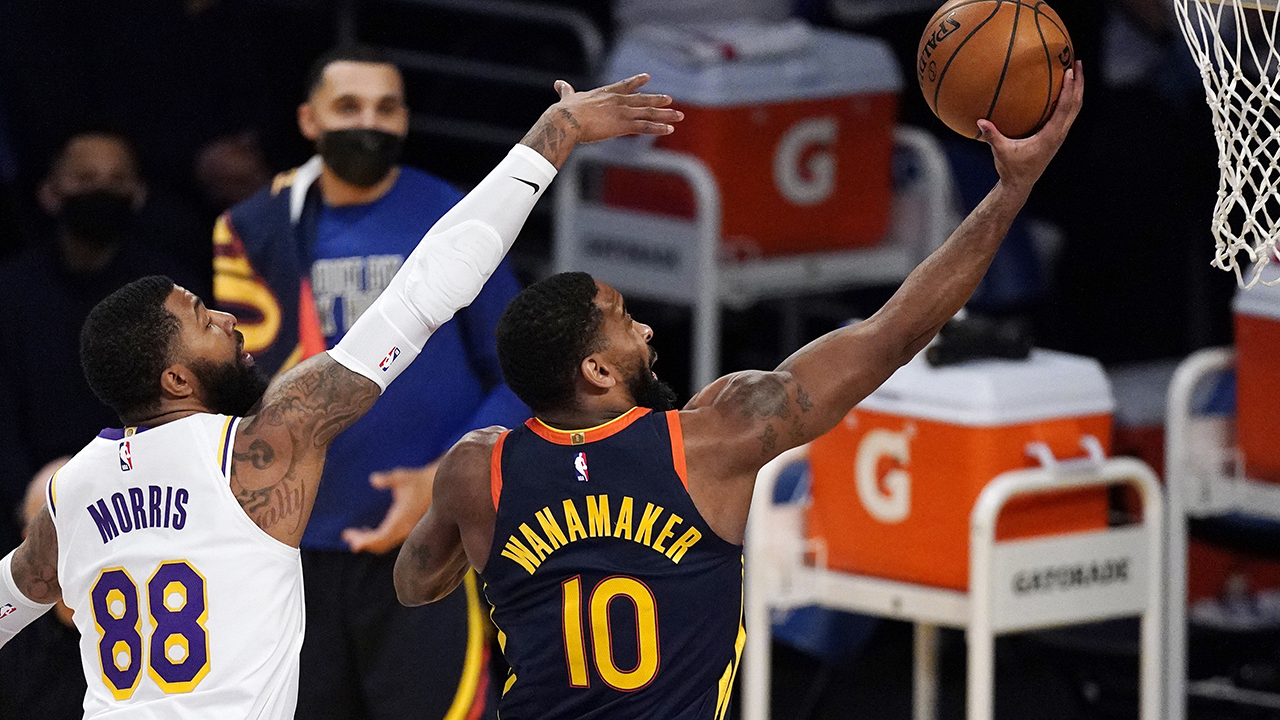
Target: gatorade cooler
893	485
1257	320
800	145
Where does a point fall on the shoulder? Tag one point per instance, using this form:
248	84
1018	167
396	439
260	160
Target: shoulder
462	483
472	449
269	204
735	389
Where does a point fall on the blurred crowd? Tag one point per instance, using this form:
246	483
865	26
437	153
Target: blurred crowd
127	128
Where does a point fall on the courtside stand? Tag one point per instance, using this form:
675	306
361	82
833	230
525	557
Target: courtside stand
1220	464
1083	570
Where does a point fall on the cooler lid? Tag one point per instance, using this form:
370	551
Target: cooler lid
828	64
1045	386
1260	300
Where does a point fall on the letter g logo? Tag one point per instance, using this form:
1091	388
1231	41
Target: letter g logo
891	504
804	168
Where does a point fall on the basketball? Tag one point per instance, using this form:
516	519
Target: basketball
1002	60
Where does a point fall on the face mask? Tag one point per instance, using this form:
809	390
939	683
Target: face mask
360	156
99	217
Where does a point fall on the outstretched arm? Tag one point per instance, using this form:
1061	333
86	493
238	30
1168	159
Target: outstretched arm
279	453
751	418
29	577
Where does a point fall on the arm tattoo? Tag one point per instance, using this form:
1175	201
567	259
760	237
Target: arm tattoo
549	136
778	402
35	564
279	456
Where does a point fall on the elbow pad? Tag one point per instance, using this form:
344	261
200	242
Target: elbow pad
16	610
447	270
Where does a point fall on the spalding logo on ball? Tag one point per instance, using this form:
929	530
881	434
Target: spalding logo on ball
1002	60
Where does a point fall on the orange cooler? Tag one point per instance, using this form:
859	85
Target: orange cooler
800	146
1257	320
893	485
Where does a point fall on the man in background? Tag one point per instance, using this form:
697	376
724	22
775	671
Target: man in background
298	263
92	196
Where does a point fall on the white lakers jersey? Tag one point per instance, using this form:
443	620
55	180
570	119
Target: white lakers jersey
185	608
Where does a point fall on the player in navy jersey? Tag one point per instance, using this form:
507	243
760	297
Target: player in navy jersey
608	528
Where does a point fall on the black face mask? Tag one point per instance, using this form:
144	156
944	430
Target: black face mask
100	217
360	156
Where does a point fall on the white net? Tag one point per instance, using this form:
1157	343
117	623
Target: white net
1234	43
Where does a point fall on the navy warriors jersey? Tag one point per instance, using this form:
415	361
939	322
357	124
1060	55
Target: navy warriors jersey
612	596
185	607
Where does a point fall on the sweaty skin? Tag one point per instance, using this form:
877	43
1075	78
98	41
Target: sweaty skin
740	422
280	449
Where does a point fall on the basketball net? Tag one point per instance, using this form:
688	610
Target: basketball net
1234	44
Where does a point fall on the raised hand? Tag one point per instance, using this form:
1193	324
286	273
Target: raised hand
599	114
411	490
1021	162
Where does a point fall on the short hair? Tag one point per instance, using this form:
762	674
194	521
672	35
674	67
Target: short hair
349	52
98	129
544	335
126	343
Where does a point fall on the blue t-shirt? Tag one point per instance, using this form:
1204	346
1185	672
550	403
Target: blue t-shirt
453	387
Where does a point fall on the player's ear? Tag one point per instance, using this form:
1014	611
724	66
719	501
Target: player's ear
598	373
307	124
177	382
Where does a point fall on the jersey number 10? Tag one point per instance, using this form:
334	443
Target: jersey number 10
618	587
179	645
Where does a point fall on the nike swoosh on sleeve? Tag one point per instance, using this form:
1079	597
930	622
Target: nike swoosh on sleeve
536	187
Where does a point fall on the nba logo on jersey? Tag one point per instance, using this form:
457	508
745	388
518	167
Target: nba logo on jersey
390	358
6	610
580	465
126	457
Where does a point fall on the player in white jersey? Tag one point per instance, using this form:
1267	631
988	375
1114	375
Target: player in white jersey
174	539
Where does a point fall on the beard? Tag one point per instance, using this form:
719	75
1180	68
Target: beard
232	388
647	390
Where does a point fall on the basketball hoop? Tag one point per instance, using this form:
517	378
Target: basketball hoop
1234	44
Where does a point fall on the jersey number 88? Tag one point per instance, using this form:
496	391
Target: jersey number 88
178	651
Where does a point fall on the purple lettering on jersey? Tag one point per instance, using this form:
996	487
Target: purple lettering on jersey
180	512
122	512
153	506
139	504
102	518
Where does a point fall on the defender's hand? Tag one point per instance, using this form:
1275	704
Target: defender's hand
600	114
616	109
411	491
1022	162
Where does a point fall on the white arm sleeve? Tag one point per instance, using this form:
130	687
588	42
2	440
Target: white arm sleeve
447	270
16	610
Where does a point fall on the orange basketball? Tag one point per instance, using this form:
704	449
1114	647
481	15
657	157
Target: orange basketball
1002	60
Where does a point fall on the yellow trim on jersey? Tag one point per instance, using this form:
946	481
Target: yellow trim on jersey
730	672
502	645
471	667
53	492
223	445
179	687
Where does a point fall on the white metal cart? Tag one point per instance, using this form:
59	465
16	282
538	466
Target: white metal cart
679	261
779	577
1203	472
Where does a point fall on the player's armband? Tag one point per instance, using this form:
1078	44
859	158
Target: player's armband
447	270
16	610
